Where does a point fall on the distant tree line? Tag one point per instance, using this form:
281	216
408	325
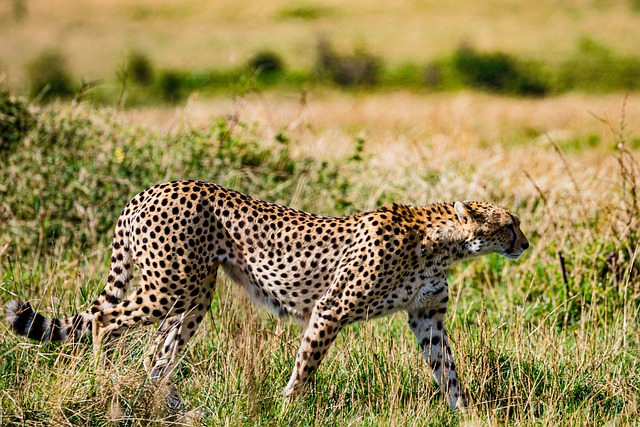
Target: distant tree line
592	68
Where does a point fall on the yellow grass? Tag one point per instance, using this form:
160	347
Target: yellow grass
401	127
385	116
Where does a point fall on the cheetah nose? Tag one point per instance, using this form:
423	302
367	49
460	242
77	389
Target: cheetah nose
525	245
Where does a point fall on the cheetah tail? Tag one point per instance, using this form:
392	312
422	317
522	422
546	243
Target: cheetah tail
24	321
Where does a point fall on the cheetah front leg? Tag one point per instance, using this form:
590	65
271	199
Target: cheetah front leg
321	331
428	327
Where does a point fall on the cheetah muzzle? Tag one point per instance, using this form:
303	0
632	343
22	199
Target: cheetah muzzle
327	272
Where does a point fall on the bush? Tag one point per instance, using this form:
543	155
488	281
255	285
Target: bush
77	155
403	75
305	12
358	69
595	67
440	74
49	76
140	68
497	72
266	66
16	121
266	62
170	84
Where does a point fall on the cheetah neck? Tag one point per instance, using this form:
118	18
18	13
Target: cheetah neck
445	240
446	244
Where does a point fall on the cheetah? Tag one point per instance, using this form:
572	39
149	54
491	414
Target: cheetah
327	272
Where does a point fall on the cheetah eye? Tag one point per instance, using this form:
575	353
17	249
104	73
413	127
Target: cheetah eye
511	229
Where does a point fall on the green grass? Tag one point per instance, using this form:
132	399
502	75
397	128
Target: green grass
532	348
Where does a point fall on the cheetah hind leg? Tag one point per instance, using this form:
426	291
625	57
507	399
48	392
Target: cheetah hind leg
174	333
172	336
158	365
104	332
164	353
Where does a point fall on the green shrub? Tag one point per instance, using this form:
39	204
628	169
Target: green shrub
304	12
266	63
497	72
16	120
174	85
358	69
595	67
403	75
170	85
49	76
140	68
440	74
79	156
491	71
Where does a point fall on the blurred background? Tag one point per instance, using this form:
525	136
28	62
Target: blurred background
162	51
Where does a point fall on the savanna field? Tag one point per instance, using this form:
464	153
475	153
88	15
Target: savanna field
551	339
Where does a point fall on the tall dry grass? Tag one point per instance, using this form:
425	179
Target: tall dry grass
549	340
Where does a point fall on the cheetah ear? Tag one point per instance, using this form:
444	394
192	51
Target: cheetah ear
463	211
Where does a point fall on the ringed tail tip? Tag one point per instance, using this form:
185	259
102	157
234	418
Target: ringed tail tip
15	312
26	322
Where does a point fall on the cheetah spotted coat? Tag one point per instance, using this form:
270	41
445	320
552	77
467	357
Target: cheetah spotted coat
327	272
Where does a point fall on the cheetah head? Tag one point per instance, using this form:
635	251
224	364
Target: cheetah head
491	229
